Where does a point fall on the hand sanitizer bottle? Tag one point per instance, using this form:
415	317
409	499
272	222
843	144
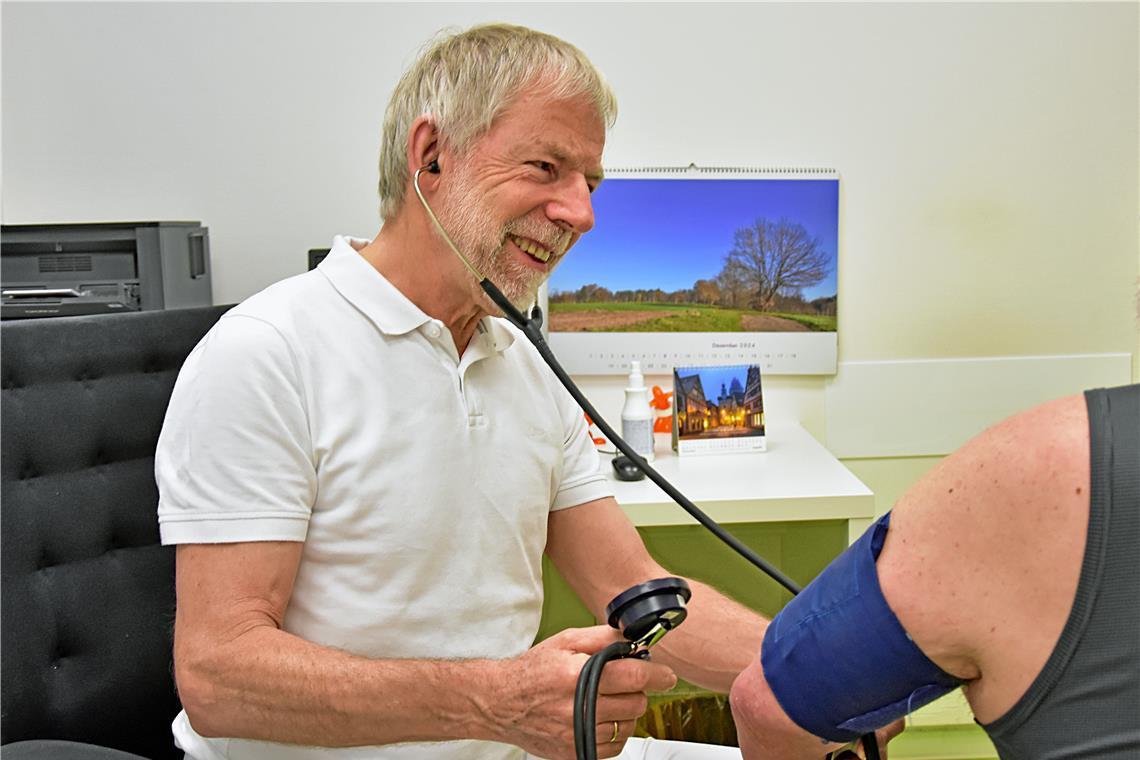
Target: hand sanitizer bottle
636	416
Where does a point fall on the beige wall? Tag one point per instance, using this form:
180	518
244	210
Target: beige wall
988	152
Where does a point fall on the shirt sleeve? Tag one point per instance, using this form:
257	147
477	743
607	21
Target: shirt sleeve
234	460
582	477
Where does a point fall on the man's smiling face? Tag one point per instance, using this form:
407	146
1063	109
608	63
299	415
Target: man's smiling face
519	198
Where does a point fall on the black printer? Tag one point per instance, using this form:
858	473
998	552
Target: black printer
50	270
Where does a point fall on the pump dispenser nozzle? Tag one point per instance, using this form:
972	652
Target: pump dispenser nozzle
636	379
636	416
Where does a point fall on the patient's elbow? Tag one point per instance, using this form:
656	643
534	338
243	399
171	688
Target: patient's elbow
749	696
762	726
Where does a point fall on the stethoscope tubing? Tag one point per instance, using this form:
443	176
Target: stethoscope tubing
584	706
531	328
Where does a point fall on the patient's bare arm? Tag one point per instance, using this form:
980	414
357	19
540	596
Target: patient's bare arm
983	556
980	566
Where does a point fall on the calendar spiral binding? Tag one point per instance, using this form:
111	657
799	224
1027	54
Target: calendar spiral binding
694	171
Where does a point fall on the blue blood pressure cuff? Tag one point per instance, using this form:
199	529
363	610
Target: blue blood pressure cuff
836	657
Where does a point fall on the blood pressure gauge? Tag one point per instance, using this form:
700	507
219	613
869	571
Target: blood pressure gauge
649	610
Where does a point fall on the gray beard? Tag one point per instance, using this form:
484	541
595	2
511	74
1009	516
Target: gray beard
471	228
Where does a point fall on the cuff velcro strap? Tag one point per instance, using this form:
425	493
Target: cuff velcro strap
837	659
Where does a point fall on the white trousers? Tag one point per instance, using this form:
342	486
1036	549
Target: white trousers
660	749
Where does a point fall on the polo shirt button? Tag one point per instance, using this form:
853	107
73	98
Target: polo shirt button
433	330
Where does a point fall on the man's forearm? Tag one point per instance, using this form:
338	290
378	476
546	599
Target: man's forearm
271	685
716	642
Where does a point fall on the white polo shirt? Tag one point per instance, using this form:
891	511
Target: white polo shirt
329	409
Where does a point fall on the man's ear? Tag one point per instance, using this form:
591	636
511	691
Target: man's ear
423	148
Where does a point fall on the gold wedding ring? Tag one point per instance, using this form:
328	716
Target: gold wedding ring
614	737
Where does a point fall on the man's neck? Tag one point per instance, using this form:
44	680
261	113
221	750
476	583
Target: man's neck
427	272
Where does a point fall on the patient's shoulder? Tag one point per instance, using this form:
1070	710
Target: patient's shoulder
984	552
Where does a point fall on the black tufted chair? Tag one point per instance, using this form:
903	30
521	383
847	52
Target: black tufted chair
87	608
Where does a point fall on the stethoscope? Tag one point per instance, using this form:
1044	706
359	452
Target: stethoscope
646	612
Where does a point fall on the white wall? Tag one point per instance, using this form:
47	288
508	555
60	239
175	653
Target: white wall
988	152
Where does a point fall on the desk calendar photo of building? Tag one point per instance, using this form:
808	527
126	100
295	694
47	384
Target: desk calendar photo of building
719	408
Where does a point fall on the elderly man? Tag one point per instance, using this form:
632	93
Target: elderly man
362	467
1011	568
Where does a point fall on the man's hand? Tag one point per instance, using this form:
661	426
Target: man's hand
533	707
765	730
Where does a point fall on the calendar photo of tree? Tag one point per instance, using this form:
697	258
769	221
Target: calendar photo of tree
703	256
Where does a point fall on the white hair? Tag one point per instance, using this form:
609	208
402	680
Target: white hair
464	80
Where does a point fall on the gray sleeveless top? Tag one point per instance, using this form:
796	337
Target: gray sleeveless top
1086	701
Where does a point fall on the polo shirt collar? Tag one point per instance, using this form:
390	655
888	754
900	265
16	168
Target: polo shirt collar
382	302
501	335
368	290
